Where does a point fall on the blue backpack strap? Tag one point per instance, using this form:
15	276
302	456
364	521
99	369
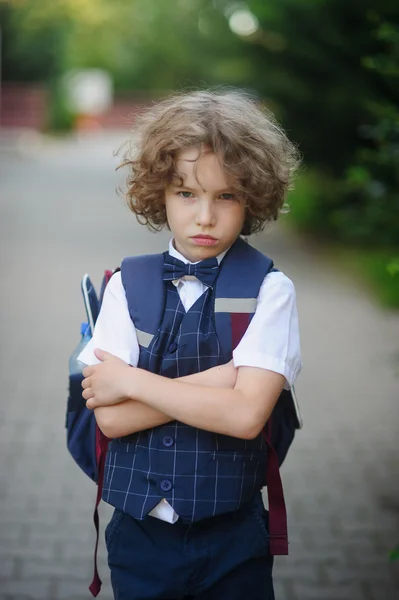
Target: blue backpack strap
237	290
144	293
241	276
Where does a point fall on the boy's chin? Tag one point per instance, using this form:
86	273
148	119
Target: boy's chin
202	252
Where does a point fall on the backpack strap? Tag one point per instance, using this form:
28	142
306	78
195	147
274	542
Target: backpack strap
101	452
237	291
145	294
101	446
278	527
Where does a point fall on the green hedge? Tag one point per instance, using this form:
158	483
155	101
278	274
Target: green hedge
316	209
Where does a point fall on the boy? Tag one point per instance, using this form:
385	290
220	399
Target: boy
186	463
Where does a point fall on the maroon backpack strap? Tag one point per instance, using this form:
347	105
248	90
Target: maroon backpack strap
101	451
108	274
239	325
278	530
277	510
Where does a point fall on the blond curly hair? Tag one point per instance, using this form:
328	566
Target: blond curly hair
251	147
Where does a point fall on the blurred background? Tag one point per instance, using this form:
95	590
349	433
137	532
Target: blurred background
73	76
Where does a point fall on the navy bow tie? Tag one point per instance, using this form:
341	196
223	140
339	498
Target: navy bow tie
206	270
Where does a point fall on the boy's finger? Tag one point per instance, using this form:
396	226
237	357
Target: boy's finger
86	372
87	394
102	355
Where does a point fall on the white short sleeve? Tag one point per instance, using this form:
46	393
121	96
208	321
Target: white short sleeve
114	331
272	338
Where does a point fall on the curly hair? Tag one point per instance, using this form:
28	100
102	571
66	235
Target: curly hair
250	145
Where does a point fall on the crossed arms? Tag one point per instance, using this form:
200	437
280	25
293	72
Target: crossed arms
235	402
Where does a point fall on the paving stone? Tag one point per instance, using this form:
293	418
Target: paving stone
7	568
34	590
381	592
77	570
345	592
284	590
38	551
70	590
311	572
13	531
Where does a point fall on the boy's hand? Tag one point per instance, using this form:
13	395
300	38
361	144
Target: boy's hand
107	383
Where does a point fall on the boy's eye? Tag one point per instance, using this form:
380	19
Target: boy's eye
185	194
227	196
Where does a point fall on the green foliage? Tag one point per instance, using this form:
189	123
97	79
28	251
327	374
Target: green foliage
34	40
372	183
60	117
394	554
371	265
311	210
393	266
308	201
360	207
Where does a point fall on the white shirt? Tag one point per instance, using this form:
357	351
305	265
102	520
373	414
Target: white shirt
271	341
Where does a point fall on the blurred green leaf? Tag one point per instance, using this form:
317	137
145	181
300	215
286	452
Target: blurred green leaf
393	267
394	554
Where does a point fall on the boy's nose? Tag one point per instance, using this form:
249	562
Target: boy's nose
205	216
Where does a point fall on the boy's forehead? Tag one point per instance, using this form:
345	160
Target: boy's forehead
192	154
202	166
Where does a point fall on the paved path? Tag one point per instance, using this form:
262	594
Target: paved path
60	217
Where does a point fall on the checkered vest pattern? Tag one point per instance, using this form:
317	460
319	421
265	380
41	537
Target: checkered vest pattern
200	473
166	334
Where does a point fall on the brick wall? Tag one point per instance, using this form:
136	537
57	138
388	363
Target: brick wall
23	106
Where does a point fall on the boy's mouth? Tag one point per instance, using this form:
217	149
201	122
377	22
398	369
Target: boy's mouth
204	240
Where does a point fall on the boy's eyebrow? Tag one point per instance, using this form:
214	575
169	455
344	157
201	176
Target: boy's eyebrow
181	184
190	189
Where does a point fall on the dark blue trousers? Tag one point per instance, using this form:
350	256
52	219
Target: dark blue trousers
221	558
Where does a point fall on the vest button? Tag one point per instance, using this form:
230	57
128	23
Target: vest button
168	441
166	485
172	348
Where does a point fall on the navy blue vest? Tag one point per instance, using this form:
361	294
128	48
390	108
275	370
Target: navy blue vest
200	473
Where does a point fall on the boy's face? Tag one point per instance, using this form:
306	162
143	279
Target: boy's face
204	214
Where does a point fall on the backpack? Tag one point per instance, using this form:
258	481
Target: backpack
85	441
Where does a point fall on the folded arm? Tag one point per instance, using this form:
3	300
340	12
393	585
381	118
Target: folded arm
240	410
131	416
